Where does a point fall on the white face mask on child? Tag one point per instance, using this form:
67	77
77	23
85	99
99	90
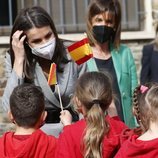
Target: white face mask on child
46	50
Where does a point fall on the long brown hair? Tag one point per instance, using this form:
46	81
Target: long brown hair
94	91
26	20
99	7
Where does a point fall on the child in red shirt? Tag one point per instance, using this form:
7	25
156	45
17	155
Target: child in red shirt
143	145
97	135
27	112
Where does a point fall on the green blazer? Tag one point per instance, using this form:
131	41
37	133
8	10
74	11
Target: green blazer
126	76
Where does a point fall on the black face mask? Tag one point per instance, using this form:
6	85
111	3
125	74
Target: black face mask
103	33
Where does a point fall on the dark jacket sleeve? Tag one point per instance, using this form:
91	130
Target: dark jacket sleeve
145	61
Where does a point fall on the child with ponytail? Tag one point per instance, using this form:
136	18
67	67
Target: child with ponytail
143	144
97	134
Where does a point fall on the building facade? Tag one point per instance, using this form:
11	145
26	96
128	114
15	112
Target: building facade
69	15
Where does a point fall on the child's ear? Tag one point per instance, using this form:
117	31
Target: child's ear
11	116
79	105
43	116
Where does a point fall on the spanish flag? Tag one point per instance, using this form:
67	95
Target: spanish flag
52	79
80	51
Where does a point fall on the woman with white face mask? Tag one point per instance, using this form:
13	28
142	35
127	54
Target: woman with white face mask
34	45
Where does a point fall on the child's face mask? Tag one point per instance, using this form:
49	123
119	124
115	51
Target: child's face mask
46	50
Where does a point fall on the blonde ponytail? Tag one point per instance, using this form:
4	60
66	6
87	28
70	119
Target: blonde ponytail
94	132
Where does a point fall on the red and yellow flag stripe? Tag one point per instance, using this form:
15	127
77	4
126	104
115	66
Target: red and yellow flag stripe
80	51
52	79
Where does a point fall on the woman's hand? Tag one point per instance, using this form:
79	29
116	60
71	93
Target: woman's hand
18	45
65	117
19	52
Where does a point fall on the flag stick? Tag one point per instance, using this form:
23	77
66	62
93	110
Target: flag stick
61	105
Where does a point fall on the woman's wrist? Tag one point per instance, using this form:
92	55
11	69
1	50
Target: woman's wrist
18	67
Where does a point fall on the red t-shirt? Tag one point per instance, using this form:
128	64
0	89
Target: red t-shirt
36	145
70	140
134	148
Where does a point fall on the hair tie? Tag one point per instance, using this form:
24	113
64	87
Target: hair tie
96	101
143	89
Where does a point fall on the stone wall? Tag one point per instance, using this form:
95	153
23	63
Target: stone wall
2	69
5	124
136	47
3	50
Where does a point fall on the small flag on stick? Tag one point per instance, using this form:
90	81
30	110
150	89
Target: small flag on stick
80	51
52	79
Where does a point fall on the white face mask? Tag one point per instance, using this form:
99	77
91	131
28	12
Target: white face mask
46	50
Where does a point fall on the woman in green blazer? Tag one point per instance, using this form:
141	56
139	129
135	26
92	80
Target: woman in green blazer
103	31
